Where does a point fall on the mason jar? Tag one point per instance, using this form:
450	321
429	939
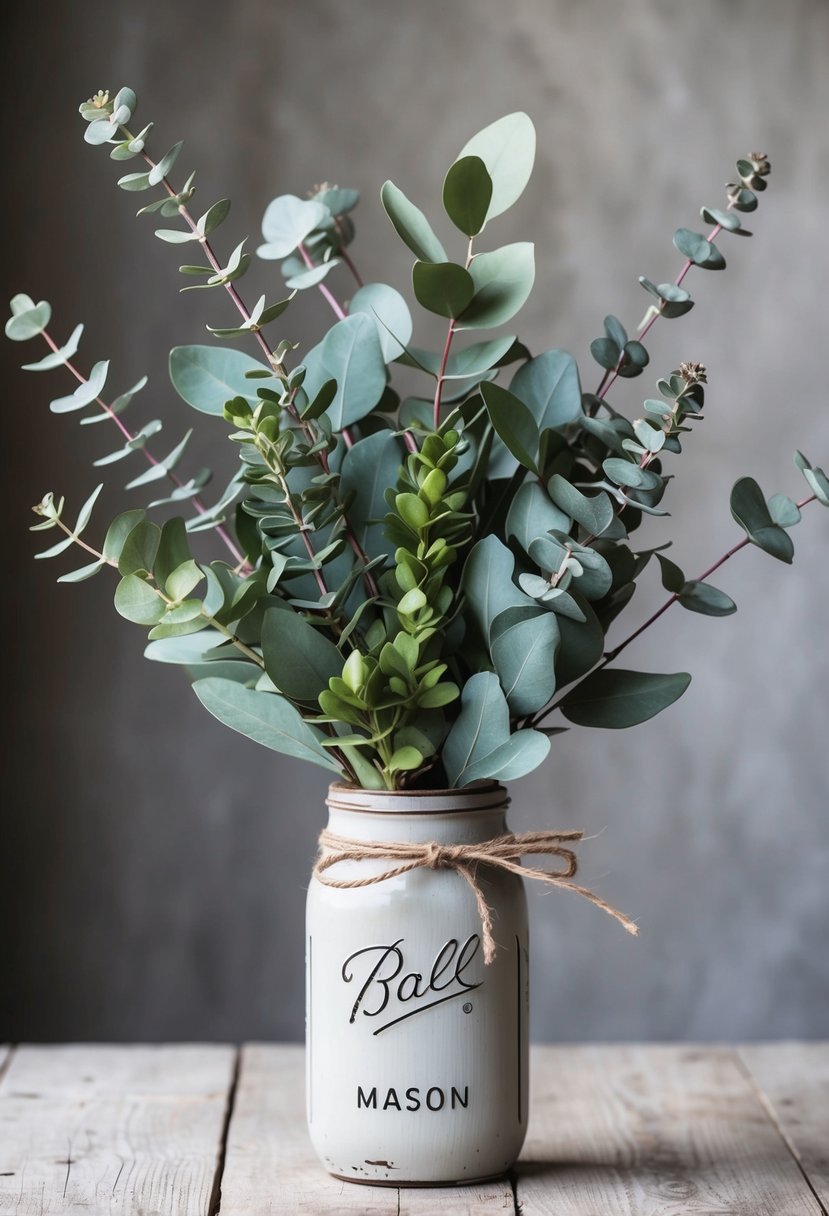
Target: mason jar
416	1049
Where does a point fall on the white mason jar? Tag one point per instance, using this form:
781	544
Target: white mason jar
416	1050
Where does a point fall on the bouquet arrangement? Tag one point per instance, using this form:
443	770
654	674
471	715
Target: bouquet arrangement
402	588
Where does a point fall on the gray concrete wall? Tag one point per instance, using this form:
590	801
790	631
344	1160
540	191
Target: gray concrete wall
154	865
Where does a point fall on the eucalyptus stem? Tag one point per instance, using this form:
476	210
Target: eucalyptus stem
450	334
336	306
197	502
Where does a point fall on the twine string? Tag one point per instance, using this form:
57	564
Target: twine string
501	852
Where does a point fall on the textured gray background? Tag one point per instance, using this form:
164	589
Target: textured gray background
154	865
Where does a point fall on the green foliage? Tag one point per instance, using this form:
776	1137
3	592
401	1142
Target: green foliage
405	586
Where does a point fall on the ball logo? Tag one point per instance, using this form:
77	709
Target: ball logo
389	991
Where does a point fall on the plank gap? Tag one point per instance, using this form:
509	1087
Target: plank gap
215	1204
6	1055
767	1103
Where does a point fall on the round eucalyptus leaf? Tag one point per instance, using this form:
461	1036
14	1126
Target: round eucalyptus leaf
287	222
692	245
467	194
390	313
605	352
208	376
503	280
442	287
507	148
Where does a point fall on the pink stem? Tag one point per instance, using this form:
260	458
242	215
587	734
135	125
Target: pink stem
336	307
441	373
347	259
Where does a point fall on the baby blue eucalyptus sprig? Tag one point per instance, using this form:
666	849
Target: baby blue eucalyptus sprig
417	584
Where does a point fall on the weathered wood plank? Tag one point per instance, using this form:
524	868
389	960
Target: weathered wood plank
793	1080
112	1129
271	1168
653	1131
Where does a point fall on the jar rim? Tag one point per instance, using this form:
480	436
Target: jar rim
478	796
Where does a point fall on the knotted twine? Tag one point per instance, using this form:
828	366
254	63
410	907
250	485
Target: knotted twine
502	852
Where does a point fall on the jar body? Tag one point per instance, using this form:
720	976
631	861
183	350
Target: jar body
416	1050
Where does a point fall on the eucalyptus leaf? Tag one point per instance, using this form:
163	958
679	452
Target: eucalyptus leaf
614	698
59	357
487	582
595	512
442	287
513	423
287	221
139	549
411	225
532	514
523	650
749	508
136	600
702	597
503	280
28	319
298	658
467	194
83	573
266	718
480	745
507	148
390	312
85	393
208	376
368	468
118	532
350	353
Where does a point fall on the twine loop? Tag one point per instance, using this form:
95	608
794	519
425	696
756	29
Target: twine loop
501	852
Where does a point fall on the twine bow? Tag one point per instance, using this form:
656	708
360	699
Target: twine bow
501	852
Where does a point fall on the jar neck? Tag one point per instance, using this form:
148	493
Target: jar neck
445	816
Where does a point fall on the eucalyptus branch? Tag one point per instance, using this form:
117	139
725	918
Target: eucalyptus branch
276	363
198	503
98	554
611	655
700	251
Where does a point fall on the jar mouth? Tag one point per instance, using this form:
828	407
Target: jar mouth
479	796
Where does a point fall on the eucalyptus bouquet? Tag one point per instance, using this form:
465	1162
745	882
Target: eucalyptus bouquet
402	591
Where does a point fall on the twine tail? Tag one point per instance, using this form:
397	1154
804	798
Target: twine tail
484	911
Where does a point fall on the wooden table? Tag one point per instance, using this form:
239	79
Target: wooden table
627	1130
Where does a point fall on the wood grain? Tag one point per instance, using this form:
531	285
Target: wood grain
112	1129
653	1131
793	1079
271	1168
